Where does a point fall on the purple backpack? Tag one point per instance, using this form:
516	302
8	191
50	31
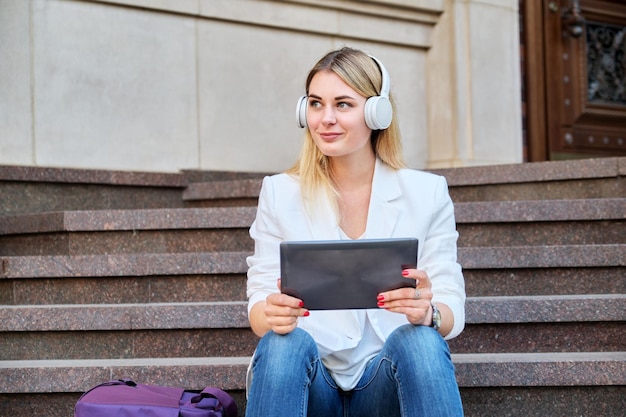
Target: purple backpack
124	398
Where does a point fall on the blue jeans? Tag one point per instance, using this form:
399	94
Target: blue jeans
412	376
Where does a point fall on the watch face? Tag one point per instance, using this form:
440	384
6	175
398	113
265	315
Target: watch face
436	318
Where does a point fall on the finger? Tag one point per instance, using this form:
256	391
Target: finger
415	315
283	319
421	278
404	297
281	299
282	325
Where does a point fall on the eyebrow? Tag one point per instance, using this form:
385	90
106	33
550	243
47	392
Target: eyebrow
339	98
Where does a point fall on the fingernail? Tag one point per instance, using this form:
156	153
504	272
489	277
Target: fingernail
306	313
405	273
380	297
381	303
301	303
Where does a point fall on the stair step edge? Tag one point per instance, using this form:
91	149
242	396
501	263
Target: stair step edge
552	256
242	217
213	190
506	257
526	211
472	370
128	219
123	265
233	314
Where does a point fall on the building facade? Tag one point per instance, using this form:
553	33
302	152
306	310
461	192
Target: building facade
168	85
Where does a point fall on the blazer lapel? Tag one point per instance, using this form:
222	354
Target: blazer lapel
323	224
383	215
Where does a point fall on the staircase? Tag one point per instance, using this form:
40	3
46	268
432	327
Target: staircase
105	275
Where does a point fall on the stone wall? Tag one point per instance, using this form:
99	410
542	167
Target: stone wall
163	85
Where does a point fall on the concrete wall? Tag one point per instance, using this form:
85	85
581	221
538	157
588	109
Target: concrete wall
164	85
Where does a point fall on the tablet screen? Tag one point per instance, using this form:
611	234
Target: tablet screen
345	274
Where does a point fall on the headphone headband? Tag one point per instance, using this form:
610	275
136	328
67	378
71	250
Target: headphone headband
384	88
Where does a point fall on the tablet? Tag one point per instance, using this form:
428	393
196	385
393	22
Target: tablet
345	274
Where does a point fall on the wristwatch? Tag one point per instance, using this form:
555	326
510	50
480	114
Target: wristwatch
436	318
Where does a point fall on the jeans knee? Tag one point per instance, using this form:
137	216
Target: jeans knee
418	342
283	357
289	348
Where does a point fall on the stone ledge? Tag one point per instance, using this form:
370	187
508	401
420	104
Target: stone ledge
123	265
137	219
480	175
240	188
242	217
540	210
156	316
546	308
534	171
90	176
457	177
540	369
80	375
473	370
233	314
556	256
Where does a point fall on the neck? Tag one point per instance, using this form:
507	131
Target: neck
351	173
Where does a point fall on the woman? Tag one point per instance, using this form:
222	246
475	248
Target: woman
349	183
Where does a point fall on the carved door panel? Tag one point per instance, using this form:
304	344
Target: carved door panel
583	57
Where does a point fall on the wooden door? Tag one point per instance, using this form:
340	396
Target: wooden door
575	78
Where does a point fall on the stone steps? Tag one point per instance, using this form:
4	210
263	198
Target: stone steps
184	230
474	370
106	275
523	270
513	223
135	324
543	222
35	189
491	372
554	180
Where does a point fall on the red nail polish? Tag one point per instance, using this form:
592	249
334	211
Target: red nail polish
380	297
306	313
301	303
381	303
405	273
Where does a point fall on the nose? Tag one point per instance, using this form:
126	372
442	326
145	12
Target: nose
329	117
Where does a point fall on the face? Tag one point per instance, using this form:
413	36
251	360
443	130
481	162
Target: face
335	116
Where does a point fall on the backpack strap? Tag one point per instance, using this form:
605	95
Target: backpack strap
227	402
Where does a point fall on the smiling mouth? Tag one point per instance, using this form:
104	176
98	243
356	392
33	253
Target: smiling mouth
329	135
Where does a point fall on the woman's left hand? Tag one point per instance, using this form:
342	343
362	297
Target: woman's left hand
414	303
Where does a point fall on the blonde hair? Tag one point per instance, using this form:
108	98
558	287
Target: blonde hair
359	71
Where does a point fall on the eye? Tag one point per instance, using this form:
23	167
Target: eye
344	105
314	104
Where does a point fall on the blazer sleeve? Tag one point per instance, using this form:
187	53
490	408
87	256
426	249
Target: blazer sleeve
264	264
439	257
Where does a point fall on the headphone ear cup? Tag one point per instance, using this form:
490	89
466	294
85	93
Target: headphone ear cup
378	112
301	111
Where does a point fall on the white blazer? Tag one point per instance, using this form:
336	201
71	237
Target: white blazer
404	203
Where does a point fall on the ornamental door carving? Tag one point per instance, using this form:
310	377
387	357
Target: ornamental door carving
575	78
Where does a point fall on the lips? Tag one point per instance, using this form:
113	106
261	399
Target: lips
329	136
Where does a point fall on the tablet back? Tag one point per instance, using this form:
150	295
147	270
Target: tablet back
345	274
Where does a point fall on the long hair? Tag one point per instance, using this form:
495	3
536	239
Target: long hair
359	71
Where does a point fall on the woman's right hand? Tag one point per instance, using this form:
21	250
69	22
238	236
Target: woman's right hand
282	312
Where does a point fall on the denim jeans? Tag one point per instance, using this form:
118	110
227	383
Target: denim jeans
412	376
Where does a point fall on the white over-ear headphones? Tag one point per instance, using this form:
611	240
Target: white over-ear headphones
378	110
